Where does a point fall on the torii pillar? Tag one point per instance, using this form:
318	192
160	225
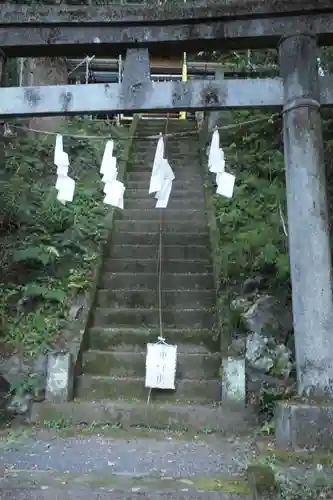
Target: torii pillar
309	248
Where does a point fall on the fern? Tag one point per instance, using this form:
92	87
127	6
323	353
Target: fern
33	290
41	254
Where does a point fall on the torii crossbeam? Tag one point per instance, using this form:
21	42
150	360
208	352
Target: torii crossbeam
58	31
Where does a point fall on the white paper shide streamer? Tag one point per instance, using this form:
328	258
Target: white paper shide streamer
161	363
114	190
65	185
161	177
216	164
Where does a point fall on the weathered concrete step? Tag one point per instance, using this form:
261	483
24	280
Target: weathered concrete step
189	165
168	226
180	184
173	123
133	364
181	299
150	266
186	154
175	193
179	252
170	281
186	151
174	203
157	128
93	387
137	238
180	318
224	419
187	340
182	175
151	214
184	180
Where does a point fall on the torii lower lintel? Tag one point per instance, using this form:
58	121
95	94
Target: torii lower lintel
194	95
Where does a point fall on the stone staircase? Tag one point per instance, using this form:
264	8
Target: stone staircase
126	314
111	386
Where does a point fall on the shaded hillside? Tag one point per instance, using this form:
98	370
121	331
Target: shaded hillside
48	250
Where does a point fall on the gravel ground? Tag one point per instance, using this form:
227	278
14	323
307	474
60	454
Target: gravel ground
88	468
87	494
165	457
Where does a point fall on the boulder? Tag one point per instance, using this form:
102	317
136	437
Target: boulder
268	316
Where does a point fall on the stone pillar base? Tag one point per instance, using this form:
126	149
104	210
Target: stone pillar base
300	426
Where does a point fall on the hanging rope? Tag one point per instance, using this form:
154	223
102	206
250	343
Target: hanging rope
175	135
161	338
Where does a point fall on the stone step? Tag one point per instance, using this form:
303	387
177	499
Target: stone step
146	123
178	252
189	165
93	388
133	364
175	158
174	203
150	266
159	128
177	318
143	175
138	172
187	340
177	184
173	142
226	419
175	193
172	152
151	214
153	226
137	238
181	299
170	281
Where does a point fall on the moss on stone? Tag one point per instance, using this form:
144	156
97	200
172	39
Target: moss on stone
300	457
262	477
222	483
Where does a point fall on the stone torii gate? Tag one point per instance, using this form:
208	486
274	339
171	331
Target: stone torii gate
297	28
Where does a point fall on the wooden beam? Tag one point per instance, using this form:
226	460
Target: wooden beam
25	39
150	13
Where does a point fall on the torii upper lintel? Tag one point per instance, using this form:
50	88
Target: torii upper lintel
109	30
161	12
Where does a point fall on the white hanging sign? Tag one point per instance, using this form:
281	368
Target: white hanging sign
66	188
110	175
157	172
114	194
218	162
62	170
107	161
58	150
161	361
214	147
163	195
225	184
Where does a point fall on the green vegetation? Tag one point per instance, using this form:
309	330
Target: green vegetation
49	250
251	225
